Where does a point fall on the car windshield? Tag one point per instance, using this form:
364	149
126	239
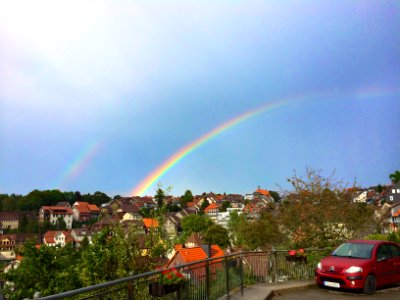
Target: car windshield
354	250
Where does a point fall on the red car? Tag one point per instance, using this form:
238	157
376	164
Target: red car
360	264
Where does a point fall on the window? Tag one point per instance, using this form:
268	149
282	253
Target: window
391	198
398	191
393	191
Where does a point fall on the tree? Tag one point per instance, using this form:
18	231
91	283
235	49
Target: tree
217	234
275	195
264	231
195	223
160	196
60	224
185	198
320	212
395	176
225	205
203	206
48	270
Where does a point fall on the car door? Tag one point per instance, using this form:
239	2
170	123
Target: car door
385	268
395	249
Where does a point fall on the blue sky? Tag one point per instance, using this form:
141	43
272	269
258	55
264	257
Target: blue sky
96	94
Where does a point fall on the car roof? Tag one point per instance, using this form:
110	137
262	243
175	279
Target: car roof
374	242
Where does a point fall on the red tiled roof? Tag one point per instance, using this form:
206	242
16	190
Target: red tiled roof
212	206
148	222
197	253
85	207
192	254
50	235
216	251
93	208
262	192
58	209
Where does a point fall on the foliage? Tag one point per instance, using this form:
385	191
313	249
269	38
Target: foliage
171	276
160	196
237	225
377	236
195	223
264	231
36	199
395	176
217	234
275	195
321	213
113	253
49	270
203	206
185	198
224	206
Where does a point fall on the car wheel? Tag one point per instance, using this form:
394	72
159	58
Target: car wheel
369	285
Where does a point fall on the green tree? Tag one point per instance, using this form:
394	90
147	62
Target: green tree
195	223
185	198
237	227
60	224
379	188
203	206
275	195
225	205
320	212
395	176
48	270
217	234
160	196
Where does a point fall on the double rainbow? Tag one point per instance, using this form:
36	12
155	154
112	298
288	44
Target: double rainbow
157	173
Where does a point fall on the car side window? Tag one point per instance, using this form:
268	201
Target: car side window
395	250
384	252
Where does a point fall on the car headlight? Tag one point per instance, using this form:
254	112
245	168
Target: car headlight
354	269
319	266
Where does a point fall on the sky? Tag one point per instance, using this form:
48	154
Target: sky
222	96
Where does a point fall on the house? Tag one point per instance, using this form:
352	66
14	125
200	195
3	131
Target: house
8	243
185	255
212	211
58	237
194	240
79	235
172	225
149	223
9	220
84	211
360	197
53	213
224	217
393	193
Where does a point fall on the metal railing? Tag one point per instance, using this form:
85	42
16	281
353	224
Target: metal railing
211	278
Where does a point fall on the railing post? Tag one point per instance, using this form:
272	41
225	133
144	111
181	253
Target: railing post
241	274
207	279
130	295
227	277
275	266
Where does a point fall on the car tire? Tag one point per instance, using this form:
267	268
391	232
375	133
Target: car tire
369	285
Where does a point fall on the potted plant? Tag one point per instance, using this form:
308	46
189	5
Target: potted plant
297	255
170	281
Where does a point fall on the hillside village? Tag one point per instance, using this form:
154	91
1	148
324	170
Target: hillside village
82	220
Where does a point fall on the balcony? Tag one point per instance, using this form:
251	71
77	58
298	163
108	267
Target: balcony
234	276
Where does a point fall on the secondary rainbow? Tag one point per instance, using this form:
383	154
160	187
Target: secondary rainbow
157	173
79	163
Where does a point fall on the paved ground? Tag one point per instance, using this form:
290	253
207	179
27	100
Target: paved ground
315	293
307	290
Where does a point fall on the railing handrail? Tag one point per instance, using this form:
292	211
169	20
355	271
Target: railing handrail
156	272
